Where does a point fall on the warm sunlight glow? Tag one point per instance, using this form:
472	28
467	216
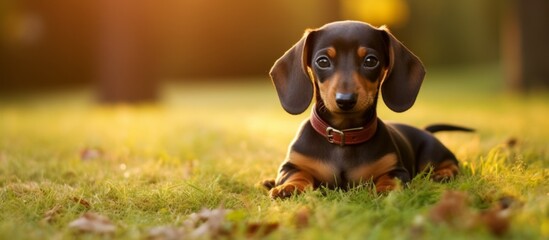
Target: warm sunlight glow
388	12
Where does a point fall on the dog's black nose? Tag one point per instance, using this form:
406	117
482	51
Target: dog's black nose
346	101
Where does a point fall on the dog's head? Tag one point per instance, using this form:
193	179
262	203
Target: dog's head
347	62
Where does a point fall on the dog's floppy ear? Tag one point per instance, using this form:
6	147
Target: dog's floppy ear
291	79
404	77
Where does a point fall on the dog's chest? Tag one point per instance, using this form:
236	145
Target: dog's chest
355	167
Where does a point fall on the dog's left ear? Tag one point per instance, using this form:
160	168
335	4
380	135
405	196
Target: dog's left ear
291	79
404	77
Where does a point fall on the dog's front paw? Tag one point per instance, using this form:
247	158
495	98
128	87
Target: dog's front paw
446	171
386	184
268	184
284	191
444	175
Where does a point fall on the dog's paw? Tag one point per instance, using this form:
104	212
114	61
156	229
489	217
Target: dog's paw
446	171
444	175
284	191
268	184
386	184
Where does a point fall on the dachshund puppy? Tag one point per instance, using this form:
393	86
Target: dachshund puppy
345	65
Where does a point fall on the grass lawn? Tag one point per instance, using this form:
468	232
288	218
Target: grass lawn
207	146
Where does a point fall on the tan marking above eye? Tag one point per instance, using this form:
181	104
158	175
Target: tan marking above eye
331	51
373	170
319	170
361	52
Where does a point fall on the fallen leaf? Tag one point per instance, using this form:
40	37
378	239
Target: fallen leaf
505	202
452	209
82	202
260	229
166	233
51	214
93	223
88	154
207	223
497	221
302	216
211	224
511	142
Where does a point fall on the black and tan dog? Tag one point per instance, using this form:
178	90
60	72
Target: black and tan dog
344	65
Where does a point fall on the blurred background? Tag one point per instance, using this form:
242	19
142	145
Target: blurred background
127	49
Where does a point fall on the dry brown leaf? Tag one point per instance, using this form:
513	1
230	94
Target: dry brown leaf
93	223
166	233
302	217
452	209
82	202
505	202
204	224
260	229
497	221
511	142
51	214
207	223
88	154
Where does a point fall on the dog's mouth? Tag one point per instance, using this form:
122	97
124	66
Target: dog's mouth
336	108
355	111
345	105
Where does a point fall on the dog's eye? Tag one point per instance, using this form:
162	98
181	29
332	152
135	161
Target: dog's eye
323	62
370	62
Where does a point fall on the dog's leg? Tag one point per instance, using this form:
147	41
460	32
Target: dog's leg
385	183
291	181
391	180
301	172
445	170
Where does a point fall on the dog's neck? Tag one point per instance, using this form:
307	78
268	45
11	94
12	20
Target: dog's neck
345	121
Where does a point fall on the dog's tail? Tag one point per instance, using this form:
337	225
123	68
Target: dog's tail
433	128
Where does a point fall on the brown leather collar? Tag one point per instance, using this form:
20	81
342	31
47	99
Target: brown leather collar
346	136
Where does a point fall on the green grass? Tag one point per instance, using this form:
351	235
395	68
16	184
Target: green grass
207	146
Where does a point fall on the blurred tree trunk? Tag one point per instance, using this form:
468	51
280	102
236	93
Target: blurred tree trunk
525	44
125	61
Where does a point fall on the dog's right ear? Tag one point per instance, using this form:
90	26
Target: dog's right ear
291	79
401	85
